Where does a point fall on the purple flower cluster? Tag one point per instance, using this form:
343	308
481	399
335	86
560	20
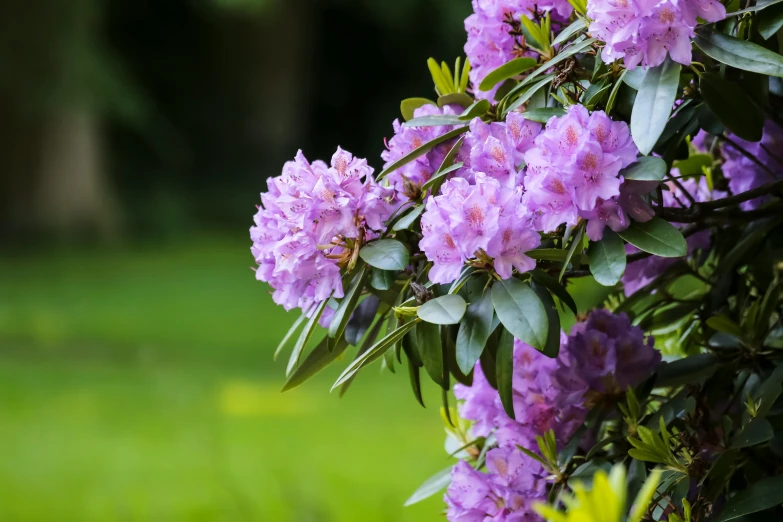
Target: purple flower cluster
490	40
745	173
573	171
507	492
309	216
407	179
483	221
599	360
644	31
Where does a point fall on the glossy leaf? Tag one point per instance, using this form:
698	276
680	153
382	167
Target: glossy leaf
656	237
474	330
764	494
654	104
607	258
318	359
386	254
374	352
552	346
525	96
431	486
289	335
455	98
361	319
569	31
507	70
430	349
447	309
740	53
477	109
521	311
505	372
647	168
304	337
543	115
422	150
732	106
411	104
408	219
755	432
555	287
687	370
382	279
348	303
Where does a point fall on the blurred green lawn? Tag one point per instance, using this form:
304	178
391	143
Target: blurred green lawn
137	384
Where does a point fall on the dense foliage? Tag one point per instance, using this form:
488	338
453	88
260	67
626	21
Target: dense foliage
634	142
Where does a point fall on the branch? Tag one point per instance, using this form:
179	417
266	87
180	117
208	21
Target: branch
696	212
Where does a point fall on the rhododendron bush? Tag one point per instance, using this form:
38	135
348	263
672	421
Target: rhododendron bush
638	143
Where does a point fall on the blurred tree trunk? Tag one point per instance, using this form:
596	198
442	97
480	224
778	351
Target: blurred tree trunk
54	181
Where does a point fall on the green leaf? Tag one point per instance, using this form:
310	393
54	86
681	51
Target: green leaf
764	494
447	309
382	279
647	168
645	496
607	258
477	109
656	237
361	319
692	166
474	330
654	103
686	371
771	22
411	104
732	106
455	98
431	486
528	93
577	244
506	71
543	115
740	54
415	378
422	150
505	372
758	7
386	254
615	89
548	254
289	335
316	360
569	31
434	121
755	432
552	347
437	179
555	287
575	48
521	312
347	305
430	348
721	323
408	219
374	352
304	337
442	85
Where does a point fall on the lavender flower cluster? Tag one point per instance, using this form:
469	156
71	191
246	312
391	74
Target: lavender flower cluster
489	213
493	34
598	361
573	171
645	31
312	219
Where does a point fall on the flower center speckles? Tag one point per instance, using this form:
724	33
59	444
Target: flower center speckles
341	165
476	217
416	142
515	129
589	162
507	235
498	154
327	195
622	4
571	136
666	15
557	187
601	133
449	241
